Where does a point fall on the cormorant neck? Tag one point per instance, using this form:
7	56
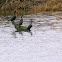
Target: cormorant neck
15	13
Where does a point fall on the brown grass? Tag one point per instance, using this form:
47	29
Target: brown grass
51	5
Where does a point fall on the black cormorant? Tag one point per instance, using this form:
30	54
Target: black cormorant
14	17
28	28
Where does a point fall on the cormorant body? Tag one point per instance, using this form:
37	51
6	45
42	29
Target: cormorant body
28	28
13	18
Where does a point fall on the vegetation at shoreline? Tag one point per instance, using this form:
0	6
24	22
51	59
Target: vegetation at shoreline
31	5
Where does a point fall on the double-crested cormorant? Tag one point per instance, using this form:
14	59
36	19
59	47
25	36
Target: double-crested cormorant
14	17
21	21
28	28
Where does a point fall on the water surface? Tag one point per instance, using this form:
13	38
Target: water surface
43	44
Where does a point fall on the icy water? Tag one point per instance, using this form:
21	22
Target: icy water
43	44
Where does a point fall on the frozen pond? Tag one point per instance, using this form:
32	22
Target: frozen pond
43	44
